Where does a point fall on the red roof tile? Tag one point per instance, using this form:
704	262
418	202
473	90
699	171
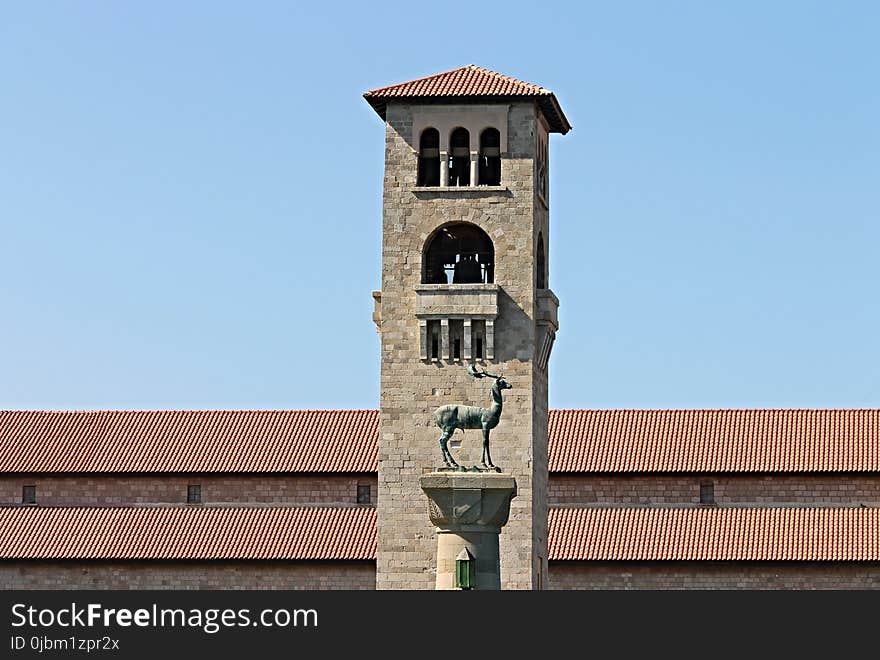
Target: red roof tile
470	80
314	533
189	441
187	533
602	441
715	534
715	440
468	83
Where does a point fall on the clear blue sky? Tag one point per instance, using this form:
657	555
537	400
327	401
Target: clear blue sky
176	177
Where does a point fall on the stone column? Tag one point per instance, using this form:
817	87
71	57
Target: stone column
475	168
490	339
444	168
468	510
444	339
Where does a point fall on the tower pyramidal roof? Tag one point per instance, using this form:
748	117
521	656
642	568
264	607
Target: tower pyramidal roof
470	83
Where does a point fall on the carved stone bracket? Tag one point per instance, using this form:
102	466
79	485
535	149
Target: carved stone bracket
377	310
547	322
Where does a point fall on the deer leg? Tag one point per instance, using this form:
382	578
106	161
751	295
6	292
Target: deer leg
487	457
447	457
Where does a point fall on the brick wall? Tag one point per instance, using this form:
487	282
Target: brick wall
187	575
714	575
158	489
832	489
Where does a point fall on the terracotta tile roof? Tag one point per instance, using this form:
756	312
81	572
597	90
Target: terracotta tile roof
32	532
715	440
323	441
470	80
469	83
189	441
314	533
715	534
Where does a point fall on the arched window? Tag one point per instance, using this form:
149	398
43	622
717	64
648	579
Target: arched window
490	157
460	253
460	158
541	264
429	158
542	167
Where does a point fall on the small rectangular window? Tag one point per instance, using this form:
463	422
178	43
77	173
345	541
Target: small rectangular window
194	494
363	494
28	494
433	340
478	334
456	338
707	494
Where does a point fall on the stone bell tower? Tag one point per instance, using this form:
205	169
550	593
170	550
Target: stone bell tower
465	238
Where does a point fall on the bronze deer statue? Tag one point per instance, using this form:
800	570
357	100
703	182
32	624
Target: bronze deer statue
457	416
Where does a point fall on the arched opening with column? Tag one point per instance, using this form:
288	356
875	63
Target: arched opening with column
460	157
490	158
429	158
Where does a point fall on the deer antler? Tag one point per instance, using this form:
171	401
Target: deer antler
472	370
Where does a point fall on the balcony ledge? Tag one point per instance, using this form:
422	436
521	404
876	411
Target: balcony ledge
457	300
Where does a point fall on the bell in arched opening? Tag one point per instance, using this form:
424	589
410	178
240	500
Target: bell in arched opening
460	158
429	158
490	157
460	253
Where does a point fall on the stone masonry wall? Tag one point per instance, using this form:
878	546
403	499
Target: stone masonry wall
362	575
565	490
412	389
540	405
187	575
830	489
158	489
714	575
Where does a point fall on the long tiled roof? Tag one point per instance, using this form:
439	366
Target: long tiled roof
172	441
715	534
715	440
187	533
468	83
600	441
314	533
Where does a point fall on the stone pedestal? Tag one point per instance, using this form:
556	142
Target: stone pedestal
468	509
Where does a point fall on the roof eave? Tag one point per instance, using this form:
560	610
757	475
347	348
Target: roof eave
562	125
378	104
549	105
